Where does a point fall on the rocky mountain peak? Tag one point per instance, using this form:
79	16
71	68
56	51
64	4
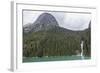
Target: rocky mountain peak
44	22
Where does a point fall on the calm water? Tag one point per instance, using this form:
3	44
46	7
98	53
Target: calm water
54	58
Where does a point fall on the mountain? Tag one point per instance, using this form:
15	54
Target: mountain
45	37
44	22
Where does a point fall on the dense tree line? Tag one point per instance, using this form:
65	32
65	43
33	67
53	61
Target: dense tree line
38	44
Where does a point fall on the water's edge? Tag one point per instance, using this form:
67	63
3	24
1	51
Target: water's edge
53	58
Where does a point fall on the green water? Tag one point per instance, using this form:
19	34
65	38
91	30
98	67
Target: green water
53	58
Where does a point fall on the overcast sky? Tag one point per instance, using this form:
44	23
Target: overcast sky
73	21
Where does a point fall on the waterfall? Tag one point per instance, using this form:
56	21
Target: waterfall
82	56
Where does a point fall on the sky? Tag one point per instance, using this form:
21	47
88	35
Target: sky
72	21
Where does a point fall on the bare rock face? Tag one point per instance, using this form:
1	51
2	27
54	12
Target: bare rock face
44	22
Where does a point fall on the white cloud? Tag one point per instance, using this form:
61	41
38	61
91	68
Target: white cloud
30	16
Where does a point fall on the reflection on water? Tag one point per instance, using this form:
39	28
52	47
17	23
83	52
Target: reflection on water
54	58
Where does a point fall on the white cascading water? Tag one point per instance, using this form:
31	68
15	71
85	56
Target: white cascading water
82	56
